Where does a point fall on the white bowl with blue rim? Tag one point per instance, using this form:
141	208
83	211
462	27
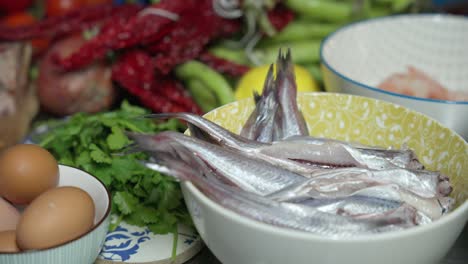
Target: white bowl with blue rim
85	248
358	57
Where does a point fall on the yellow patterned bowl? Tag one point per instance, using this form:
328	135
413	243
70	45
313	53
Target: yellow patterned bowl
236	239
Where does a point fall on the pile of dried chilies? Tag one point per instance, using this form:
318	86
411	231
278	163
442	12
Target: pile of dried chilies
147	42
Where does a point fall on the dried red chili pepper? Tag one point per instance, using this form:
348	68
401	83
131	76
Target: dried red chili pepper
173	90
190	35
159	103
135	73
128	77
223	66
76	20
139	29
280	17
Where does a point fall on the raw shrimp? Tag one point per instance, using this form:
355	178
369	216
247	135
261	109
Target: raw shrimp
416	83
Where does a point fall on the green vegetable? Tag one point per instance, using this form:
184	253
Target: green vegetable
322	9
211	79
302	30
202	95
302	51
94	143
234	55
396	5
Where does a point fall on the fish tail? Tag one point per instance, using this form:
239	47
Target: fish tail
284	64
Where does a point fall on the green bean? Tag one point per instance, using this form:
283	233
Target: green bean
397	5
210	78
306	51
321	9
234	55
300	30
202	95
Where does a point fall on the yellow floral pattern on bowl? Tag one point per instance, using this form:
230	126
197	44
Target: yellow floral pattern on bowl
372	122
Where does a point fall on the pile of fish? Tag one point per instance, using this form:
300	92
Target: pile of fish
274	172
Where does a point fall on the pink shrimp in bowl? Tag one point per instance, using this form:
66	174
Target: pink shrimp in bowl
415	82
417	61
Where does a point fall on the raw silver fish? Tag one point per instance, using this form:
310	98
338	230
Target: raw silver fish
339	153
423	183
252	175
346	181
289	117
260	125
274	172
212	131
301	154
287	215
276	115
282	153
432	207
209	131
354	206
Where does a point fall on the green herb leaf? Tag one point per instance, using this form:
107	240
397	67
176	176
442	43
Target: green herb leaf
98	155
126	202
140	196
117	139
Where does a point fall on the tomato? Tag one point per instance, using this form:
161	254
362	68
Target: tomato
60	7
24	19
11	6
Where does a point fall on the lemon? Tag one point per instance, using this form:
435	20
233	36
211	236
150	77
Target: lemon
253	81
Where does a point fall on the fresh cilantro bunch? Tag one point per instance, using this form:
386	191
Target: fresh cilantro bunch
95	143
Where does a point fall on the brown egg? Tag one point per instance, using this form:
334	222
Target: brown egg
57	216
9	216
8	242
26	171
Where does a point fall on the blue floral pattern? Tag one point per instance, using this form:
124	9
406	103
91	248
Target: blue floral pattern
121	244
125	242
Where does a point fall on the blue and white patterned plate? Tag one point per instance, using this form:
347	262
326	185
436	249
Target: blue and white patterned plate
132	244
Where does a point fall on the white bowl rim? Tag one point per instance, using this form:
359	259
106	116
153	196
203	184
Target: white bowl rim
390	17
99	223
283	231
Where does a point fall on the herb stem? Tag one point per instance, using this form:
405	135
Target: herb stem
174	243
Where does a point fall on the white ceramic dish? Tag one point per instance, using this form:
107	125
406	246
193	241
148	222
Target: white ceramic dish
84	249
357	57
236	239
